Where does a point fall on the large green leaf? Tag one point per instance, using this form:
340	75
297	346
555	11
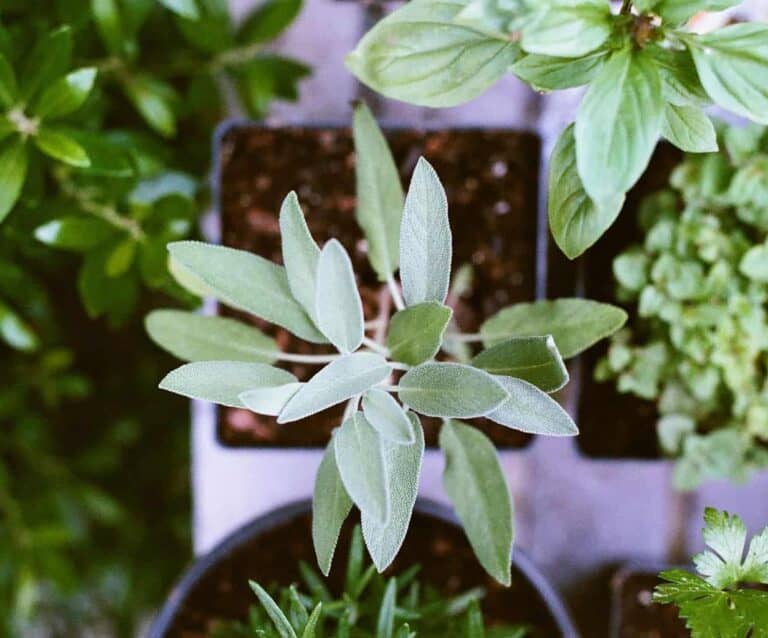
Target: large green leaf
193	337
476	485
13	172
387	416
547	73
575	219
618	124
575	324
300	253
247	282
450	390
338	381
425	239
419	54
415	333
65	95
380	196
689	128
567	29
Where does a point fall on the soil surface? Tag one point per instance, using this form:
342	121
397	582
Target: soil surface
639	616
446	559
490	178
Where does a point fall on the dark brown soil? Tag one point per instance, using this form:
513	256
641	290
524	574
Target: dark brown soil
639	616
491	182
446	560
614	424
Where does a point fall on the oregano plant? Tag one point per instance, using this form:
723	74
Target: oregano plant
647	75
387	381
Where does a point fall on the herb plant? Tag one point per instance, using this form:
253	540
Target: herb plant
374	458
718	600
647	75
700	338
370	605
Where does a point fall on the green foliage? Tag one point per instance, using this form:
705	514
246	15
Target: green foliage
698	343
371	606
647	75
715	602
375	455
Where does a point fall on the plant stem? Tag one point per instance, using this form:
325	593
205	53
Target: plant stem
351	407
626	7
375	346
388	388
399	366
394	290
299	358
465	338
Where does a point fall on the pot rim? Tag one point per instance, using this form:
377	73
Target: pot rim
257	526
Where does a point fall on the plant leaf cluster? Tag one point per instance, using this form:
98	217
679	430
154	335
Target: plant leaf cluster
648	75
698	344
374	458
717	602
371	606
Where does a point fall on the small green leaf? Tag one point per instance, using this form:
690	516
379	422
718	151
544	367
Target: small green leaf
274	612
754	264
689	128
193	337
106	15
330	507
547	73
246	282
360	459
533	359
15	332
9	92
108	159
387	417
338	305
60	146
385	623
184	8
425	239
76	233
154	100
223	382
568	30
310	629
575	324
300	253
268	21
476	485
49	60
13	172
531	410
380	197
450	390
416	333
338	381
65	95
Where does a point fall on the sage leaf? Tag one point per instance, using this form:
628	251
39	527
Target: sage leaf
689	128
193	337
276	615
13	172
568	30
419	54
270	400
575	324
246	282
476	485
360	459
62	147
403	463
531	410
548	73
679	11
223	382
416	333
575	219
65	95
380	197
618	124
533	359
732	65
337	301
425	239
300	253
450	390
187	280
387	417
338	381
330	507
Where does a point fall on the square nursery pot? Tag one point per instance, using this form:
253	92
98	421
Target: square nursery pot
270	548
491	180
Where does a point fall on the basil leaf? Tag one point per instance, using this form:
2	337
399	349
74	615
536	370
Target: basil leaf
547	73
575	324
223	382
246	282
568	30
193	337
416	333
478	489
450	390
531	410
680	84
65	95
60	146
425	239
689	128
300	254
575	219
387	417
338	381
380	197
330	507
680	11
337	301
419	54
13	172
268	21
618	125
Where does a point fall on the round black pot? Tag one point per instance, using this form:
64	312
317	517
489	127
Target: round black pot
202	567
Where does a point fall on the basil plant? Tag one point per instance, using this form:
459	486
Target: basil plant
387	380
647	75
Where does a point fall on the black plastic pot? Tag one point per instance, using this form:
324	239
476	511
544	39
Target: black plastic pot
190	583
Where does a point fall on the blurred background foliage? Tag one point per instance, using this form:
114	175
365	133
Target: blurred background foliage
106	113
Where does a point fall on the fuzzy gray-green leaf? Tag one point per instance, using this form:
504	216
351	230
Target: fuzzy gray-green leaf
330	507
476	485
415	333
300	253
689	128
269	400
387	416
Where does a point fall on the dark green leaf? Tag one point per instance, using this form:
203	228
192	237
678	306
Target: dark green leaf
49	59
13	172
154	100
8	88
78	233
268	21
65	95
266	77
106	15
58	145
